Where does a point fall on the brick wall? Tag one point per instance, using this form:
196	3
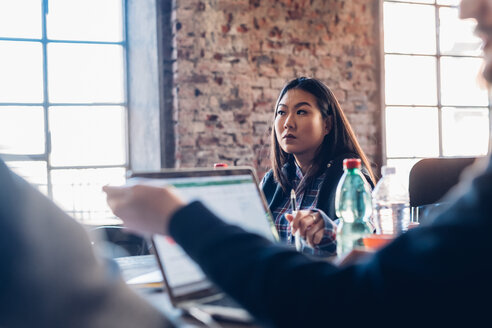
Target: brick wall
233	56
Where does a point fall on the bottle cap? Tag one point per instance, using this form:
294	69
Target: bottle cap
385	170
216	165
351	163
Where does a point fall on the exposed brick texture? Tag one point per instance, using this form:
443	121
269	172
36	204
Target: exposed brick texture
233	56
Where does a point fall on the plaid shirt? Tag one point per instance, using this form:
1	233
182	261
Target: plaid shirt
306	200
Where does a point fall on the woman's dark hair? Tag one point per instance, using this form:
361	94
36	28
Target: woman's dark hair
340	140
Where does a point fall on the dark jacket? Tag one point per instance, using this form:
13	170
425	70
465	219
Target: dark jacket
437	275
275	196
49	274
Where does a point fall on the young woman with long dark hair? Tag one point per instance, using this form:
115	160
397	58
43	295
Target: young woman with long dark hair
310	139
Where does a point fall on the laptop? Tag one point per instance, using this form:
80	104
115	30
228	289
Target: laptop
232	194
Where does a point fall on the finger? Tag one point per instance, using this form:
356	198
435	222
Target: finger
302	226
125	198
107	188
318	236
290	219
305	223
296	217
315	232
115	195
121	199
119	207
320	233
310	235
315	217
114	191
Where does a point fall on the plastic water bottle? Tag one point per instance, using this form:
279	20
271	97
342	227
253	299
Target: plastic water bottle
353	207
390	204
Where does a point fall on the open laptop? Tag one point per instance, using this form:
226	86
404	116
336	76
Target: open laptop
232	194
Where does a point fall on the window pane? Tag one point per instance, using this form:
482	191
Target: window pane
411	132
410	80
449	2
87	135
457	37
79	192
20	18
457	80
85	73
21	130
403	167
21	72
465	131
89	20
403	35
34	172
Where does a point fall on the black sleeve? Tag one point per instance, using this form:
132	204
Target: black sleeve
438	273
246	266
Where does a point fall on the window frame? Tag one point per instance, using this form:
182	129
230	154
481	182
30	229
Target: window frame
438	56
46	103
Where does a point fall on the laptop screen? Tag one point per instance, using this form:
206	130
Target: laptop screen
232	194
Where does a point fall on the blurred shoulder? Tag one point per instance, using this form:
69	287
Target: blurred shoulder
268	179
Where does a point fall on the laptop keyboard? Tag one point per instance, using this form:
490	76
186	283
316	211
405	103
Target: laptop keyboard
224	301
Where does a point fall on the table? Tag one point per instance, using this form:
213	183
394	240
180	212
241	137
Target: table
140	270
143	275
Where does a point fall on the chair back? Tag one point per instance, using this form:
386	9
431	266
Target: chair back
431	178
115	241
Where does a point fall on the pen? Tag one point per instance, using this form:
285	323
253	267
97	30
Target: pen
293	207
293	200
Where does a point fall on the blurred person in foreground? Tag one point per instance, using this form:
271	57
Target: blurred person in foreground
311	137
435	275
49	273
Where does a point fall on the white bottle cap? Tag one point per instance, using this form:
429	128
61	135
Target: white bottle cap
385	170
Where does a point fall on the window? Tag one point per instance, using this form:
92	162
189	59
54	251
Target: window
435	105
63	102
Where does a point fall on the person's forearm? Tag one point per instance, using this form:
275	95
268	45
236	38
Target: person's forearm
283	288
255	272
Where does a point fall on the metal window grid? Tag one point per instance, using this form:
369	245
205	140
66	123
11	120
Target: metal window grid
45	157
438	57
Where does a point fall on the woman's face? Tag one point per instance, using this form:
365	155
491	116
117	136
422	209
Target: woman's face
299	126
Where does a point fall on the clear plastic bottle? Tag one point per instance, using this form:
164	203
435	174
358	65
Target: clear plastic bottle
353	207
390	204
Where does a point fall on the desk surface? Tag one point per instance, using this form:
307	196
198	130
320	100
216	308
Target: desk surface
139	269
143	268
133	267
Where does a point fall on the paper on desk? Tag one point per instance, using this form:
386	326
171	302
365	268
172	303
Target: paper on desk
147	278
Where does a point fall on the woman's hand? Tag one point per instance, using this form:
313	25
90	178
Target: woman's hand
310	225
143	208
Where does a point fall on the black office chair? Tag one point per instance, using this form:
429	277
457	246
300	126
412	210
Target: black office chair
430	179
115	241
